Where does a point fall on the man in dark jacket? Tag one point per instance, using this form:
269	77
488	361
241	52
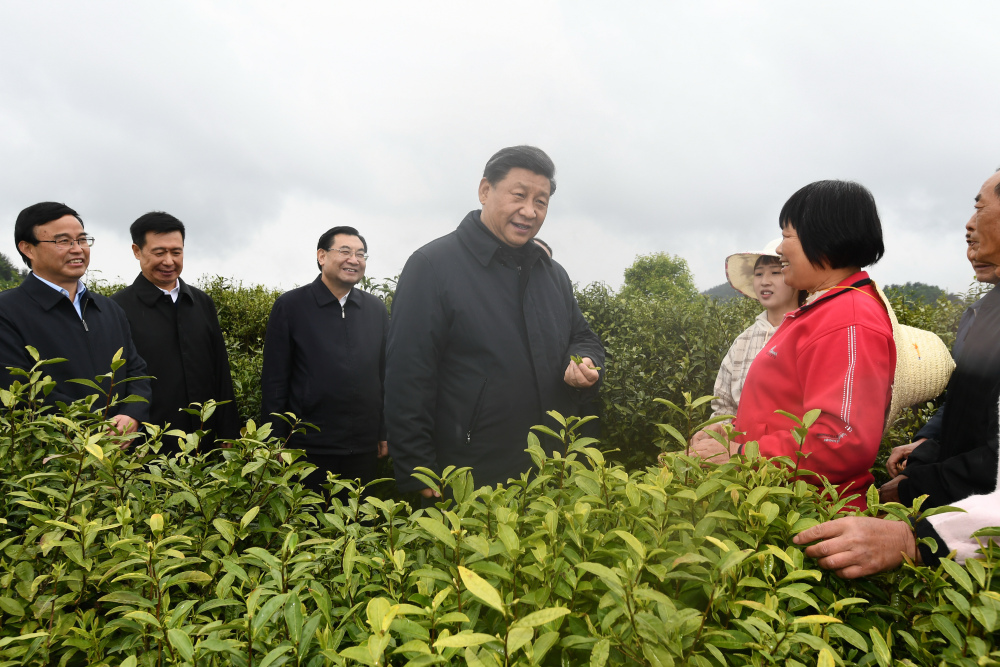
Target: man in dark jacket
484	325
957	456
324	361
54	312
176	330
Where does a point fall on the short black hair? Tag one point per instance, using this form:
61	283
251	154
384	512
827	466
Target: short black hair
38	214
837	223
525	157
157	222
545	245
327	238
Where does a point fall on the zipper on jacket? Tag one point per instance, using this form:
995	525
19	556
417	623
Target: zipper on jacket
475	412
83	311
343	312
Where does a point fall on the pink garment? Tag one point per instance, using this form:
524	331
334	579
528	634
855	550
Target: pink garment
956	528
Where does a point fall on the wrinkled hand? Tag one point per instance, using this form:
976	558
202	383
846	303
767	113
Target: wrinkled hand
899	456
709	449
429	493
856	546
383	449
702	436
123	425
581	375
888	492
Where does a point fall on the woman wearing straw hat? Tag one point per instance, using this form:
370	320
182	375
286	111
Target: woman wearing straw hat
835	353
756	275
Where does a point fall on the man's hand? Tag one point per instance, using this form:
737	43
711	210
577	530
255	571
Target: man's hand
383	449
888	492
856	546
429	493
581	375
899	456
123	425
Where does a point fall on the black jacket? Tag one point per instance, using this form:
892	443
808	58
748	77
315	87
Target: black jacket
476	355
185	352
962	460
35	314
932	429
326	364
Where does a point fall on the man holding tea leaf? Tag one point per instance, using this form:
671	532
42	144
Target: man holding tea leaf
484	327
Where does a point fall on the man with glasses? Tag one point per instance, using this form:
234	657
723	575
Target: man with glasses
54	312
176	329
324	362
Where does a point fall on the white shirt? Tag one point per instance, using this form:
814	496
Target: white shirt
172	293
80	289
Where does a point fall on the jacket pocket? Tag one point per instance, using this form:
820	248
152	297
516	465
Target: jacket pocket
477	407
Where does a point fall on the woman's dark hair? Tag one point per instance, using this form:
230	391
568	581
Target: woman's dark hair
773	260
524	157
837	223
35	215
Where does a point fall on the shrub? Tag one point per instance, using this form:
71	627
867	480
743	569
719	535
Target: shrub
124	556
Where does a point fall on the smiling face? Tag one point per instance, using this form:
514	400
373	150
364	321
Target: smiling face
987	222
161	259
798	271
59	266
341	271
514	209
770	288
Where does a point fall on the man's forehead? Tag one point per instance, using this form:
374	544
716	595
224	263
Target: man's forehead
64	226
349	240
164	241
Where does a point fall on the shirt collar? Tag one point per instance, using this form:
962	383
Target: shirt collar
80	287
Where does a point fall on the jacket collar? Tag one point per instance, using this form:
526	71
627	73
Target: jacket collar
324	297
48	298
483	244
149	293
841	287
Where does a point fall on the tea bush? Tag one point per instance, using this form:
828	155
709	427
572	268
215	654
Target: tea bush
113	556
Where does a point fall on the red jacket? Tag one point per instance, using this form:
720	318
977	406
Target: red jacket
836	354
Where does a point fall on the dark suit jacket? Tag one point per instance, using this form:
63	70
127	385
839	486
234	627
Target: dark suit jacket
35	314
185	353
326	364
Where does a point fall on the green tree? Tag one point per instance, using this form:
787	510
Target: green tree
662	275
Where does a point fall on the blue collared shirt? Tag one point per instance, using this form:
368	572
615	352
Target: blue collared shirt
80	290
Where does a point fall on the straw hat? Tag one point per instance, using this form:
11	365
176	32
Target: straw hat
923	365
739	268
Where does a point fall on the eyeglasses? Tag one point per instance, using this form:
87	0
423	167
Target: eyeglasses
361	255
66	244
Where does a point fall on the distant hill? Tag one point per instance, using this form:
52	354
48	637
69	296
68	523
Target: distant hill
920	292
722	292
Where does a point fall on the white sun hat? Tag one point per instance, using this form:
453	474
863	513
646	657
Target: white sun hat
739	268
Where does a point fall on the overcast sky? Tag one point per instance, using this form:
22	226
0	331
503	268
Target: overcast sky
677	127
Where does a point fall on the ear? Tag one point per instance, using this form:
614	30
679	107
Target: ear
27	249
484	190
321	257
136	250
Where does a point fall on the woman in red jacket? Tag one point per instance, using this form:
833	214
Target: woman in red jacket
835	353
